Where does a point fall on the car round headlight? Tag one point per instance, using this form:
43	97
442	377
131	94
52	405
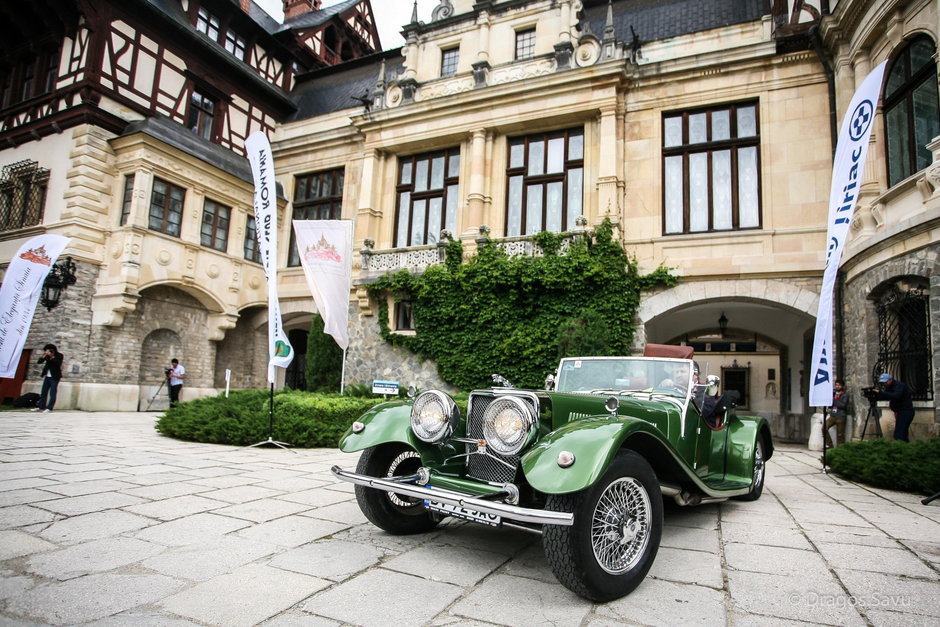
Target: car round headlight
434	416
508	425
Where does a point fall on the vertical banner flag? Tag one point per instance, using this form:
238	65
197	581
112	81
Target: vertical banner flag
19	294
262	171
847	169
325	248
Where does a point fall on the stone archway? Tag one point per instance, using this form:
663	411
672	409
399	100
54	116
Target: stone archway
157	349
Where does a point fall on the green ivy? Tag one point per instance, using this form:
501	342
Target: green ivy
498	314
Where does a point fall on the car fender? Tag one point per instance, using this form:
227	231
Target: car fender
743	433
387	422
593	441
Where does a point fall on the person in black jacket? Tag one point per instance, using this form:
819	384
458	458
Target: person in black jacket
837	413
51	374
899	400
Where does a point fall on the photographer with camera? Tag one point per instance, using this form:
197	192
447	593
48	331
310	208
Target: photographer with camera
175	375
899	400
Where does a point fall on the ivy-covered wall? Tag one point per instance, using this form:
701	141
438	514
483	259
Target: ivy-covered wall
493	313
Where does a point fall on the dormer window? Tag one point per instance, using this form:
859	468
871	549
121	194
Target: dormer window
201	114
525	43
208	24
235	45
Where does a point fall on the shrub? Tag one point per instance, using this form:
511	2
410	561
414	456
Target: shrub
909	467
301	419
324	359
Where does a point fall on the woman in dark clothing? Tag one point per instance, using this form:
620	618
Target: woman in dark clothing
51	374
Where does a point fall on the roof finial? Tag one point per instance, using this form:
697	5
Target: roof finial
609	25
414	13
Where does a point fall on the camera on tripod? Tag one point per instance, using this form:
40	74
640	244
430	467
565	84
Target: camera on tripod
166	371
871	393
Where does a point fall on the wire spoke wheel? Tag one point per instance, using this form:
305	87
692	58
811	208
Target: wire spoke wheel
620	529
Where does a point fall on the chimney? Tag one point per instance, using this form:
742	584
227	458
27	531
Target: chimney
293	8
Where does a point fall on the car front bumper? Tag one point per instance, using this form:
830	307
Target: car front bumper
458	499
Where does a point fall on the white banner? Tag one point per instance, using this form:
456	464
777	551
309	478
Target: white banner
262	171
22	285
325	248
847	170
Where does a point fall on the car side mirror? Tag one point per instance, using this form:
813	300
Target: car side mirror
550	382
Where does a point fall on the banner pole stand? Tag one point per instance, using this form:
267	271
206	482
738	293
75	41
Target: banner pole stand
271	440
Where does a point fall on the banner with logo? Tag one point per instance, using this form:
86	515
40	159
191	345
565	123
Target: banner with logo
22	285
325	248
847	170
280	351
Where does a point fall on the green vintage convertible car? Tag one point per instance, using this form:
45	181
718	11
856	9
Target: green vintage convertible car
586	462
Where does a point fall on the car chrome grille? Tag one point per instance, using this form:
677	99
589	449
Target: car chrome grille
489	465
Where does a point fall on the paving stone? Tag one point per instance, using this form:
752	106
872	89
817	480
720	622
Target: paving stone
775	560
201	562
875	559
163	491
226	481
689	538
90	598
906	526
241	494
94	525
927	551
142	618
15	543
22	515
292	531
91	557
75	505
25	496
299	619
263	510
682	565
24	483
331	559
317	497
373	604
246	596
888	592
88	487
656	602
155	478
531	563
89	475
866	536
12	585
808	597
508	600
346	512
770	535
177	507
191	530
704	517
451	564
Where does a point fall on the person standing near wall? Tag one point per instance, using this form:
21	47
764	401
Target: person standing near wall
176	373
837	413
899	400
51	375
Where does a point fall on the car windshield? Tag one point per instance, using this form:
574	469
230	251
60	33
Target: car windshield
625	374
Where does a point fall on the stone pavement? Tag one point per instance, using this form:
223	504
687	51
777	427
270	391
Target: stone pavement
105	522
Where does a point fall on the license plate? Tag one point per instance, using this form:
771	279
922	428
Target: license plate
461	512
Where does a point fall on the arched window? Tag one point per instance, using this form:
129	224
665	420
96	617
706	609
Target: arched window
904	348
912	113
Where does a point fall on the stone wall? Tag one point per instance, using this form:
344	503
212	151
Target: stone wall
369	357
244	351
861	335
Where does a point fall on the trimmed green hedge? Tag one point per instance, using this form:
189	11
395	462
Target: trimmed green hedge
301	419
909	467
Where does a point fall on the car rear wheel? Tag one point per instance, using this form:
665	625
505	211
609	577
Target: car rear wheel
757	473
394	513
617	526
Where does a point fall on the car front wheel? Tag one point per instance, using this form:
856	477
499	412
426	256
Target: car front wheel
617	526
757	473
395	513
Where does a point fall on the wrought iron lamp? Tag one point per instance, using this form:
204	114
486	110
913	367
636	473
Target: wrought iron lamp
60	276
722	324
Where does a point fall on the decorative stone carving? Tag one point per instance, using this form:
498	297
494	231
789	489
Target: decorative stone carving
442	11
588	51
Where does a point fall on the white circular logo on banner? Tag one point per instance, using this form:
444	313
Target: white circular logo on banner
861	120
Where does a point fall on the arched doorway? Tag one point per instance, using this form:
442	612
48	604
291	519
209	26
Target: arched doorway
157	349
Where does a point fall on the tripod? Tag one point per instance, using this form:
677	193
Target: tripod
873	410
155	394
929	499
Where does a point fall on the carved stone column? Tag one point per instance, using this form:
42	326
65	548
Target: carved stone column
610	184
